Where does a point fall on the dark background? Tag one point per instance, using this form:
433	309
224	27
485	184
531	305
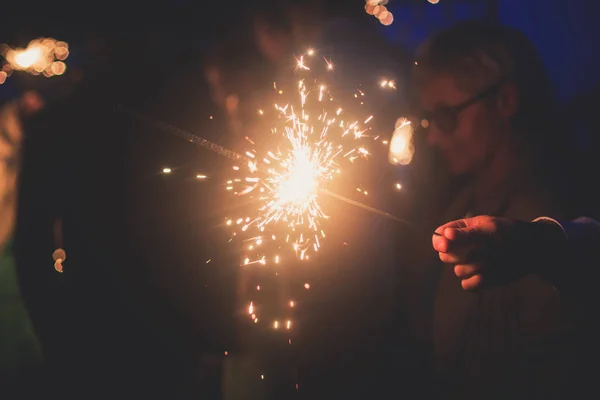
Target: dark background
138	311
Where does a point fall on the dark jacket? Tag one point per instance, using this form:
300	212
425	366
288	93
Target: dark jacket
514	340
510	341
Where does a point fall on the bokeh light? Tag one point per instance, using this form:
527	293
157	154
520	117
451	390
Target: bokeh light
378	9
42	56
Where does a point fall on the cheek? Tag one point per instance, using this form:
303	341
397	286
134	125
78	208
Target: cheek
475	134
466	149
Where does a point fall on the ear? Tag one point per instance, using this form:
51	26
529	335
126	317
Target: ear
508	100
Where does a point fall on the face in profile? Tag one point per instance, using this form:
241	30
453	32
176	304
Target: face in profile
466	129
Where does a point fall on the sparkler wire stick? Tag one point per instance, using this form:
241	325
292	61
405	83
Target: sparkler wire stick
190	137
368	208
225	152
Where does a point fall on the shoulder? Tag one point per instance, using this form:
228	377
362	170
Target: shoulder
534	199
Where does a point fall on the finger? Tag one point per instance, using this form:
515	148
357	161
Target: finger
464	271
476	228
466	234
459	223
440	243
460	254
472	283
450	258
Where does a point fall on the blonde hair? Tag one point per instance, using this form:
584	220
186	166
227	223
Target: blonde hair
473	53
478	54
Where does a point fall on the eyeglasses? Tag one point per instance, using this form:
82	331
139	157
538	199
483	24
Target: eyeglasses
446	118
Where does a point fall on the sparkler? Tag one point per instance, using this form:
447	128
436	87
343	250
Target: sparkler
400	152
312	138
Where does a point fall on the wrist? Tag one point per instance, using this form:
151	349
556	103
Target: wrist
549	248
549	233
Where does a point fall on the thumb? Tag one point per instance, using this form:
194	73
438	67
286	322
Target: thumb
456	234
460	223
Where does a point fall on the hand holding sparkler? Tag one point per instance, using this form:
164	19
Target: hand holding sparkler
486	251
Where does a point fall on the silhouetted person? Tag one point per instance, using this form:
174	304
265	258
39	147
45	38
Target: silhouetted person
20	351
484	98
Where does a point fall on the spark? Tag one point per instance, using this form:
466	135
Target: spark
312	136
329	64
299	65
388	84
313	141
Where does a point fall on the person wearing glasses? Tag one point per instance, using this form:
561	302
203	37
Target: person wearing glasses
484	103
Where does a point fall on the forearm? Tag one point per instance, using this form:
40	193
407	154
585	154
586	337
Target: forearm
567	246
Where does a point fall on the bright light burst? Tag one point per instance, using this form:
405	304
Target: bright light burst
402	148
311	137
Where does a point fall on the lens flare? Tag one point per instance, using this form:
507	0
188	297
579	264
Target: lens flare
401	146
